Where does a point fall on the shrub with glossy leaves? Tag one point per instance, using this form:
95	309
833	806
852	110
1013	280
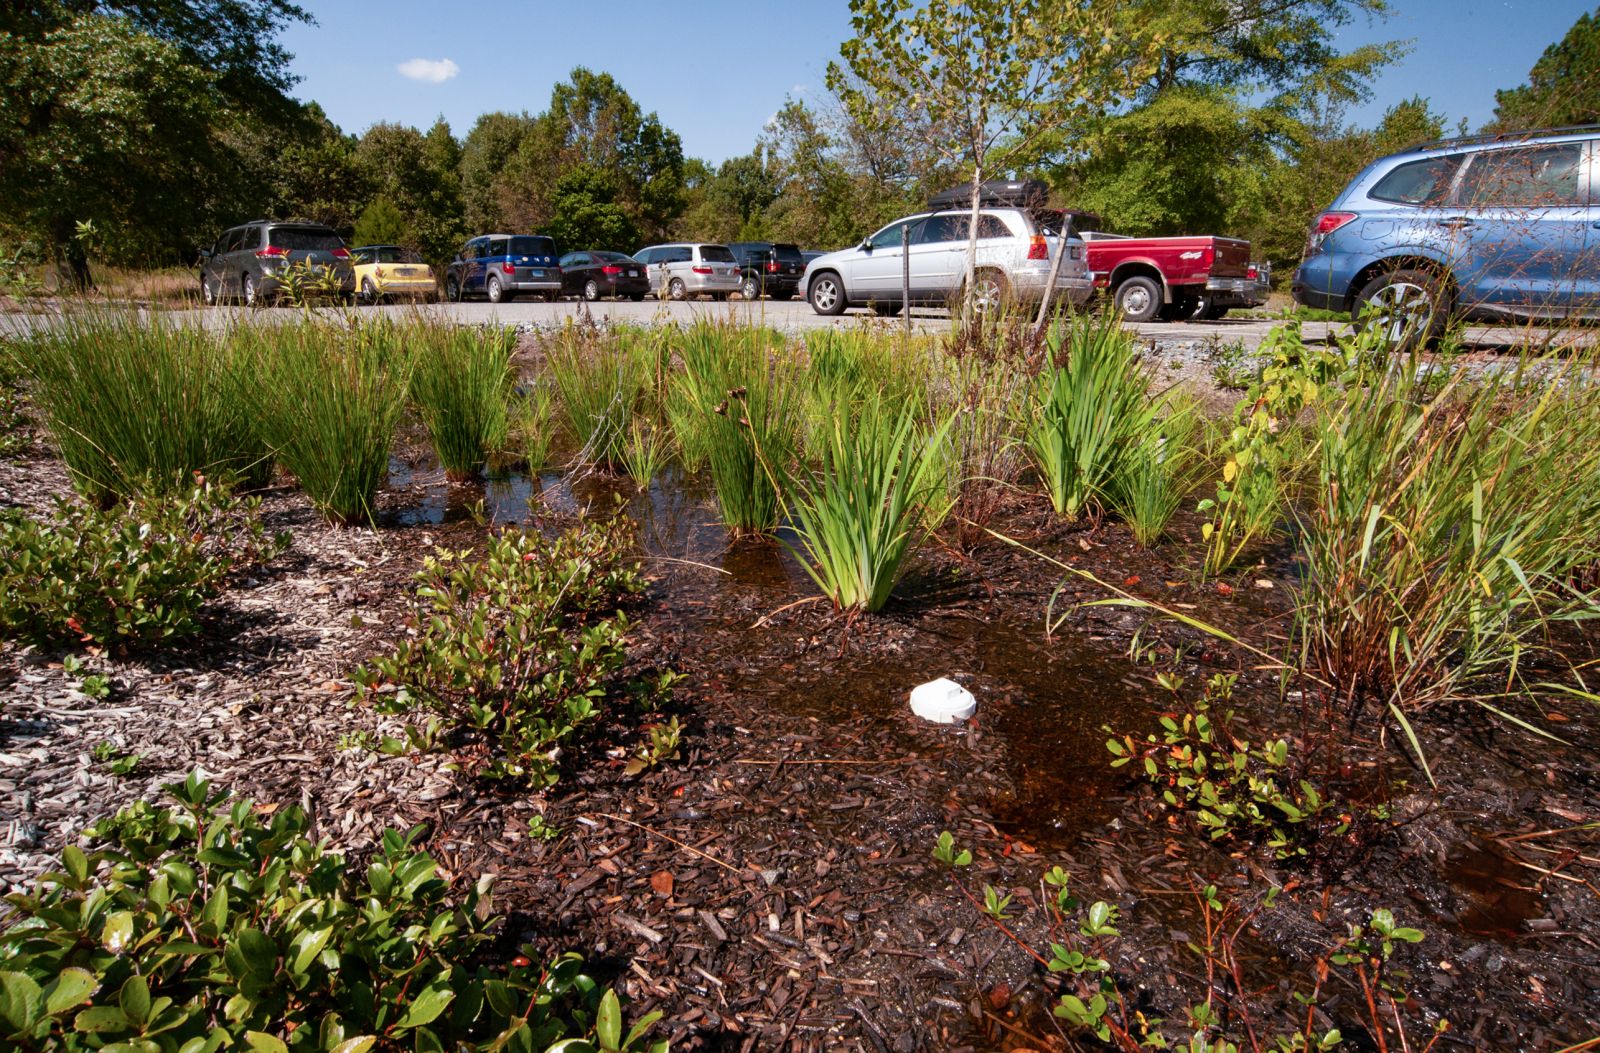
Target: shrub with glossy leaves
208	924
523	644
131	576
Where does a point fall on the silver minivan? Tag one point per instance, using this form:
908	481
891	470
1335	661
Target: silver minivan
1015	255
681	270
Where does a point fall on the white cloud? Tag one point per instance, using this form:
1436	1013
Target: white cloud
434	71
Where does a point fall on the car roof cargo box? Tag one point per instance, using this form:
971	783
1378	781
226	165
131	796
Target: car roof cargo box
994	193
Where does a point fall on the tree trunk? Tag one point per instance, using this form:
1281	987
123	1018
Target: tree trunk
71	262
972	239
1055	272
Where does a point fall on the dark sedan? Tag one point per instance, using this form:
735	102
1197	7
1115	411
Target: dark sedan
592	274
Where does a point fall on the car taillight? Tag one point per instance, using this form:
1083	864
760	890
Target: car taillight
272	252
772	266
508	268
702	270
1037	249
1250	272
611	268
1329	222
341	253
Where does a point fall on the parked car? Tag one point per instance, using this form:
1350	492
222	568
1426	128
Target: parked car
679	271
768	268
1015	251
390	270
593	273
1488	226
248	262
1172	278
502	266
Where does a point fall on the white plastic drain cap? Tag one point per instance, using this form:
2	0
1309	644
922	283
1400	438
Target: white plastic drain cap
943	701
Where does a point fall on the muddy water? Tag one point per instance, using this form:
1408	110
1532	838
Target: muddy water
1042	702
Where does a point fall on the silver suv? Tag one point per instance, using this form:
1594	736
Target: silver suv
680	271
1015	248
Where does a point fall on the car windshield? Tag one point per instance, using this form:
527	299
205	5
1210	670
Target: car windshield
716	254
305	239
532	247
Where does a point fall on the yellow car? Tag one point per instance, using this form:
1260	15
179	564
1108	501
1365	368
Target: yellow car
389	270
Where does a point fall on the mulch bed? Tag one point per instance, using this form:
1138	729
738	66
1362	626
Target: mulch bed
773	888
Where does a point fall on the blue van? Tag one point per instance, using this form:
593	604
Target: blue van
1483	227
500	266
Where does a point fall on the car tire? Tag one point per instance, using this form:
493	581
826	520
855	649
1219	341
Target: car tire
496	291
750	289
1138	299
990	291
1412	305
452	289
208	293
369	295
827	294
591	290
676	290
247	289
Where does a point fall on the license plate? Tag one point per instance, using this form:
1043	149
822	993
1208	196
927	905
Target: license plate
633	274
405	272
536	273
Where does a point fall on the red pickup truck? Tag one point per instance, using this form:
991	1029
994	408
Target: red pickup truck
1176	278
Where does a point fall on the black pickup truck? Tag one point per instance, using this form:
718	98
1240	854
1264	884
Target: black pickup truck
769	269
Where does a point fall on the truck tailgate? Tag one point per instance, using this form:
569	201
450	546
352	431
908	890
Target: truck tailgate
1232	259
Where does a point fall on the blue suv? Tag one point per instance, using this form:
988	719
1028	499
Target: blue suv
501	266
1482	227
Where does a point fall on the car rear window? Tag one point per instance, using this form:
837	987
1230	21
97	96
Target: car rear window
532	246
616	257
788	253
716	254
388	254
1425	182
305	239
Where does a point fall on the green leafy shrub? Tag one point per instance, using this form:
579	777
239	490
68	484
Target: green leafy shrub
1232	788
523	644
461	384
877	494
328	397
138	405
206	925
128	577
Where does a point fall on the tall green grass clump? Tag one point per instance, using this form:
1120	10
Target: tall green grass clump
1445	527
1090	405
748	403
877	494
328	397
461	384
1156	474
139	406
984	388
533	425
603	380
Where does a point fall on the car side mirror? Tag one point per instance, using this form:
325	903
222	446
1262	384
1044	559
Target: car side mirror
205	254
866	246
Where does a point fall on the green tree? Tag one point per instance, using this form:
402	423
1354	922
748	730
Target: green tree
1563	87
587	215
419	175
381	223
992	77
486	154
120	112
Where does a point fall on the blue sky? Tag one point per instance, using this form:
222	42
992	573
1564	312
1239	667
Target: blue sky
715	71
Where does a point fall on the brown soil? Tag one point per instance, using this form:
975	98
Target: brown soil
773	888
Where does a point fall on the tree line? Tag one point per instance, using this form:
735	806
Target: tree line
155	124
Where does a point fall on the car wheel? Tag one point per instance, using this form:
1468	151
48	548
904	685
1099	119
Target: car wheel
247	287
989	291
751	289
676	290
827	294
368	293
1409	307
591	290
208	292
1138	299
452	289
497	292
